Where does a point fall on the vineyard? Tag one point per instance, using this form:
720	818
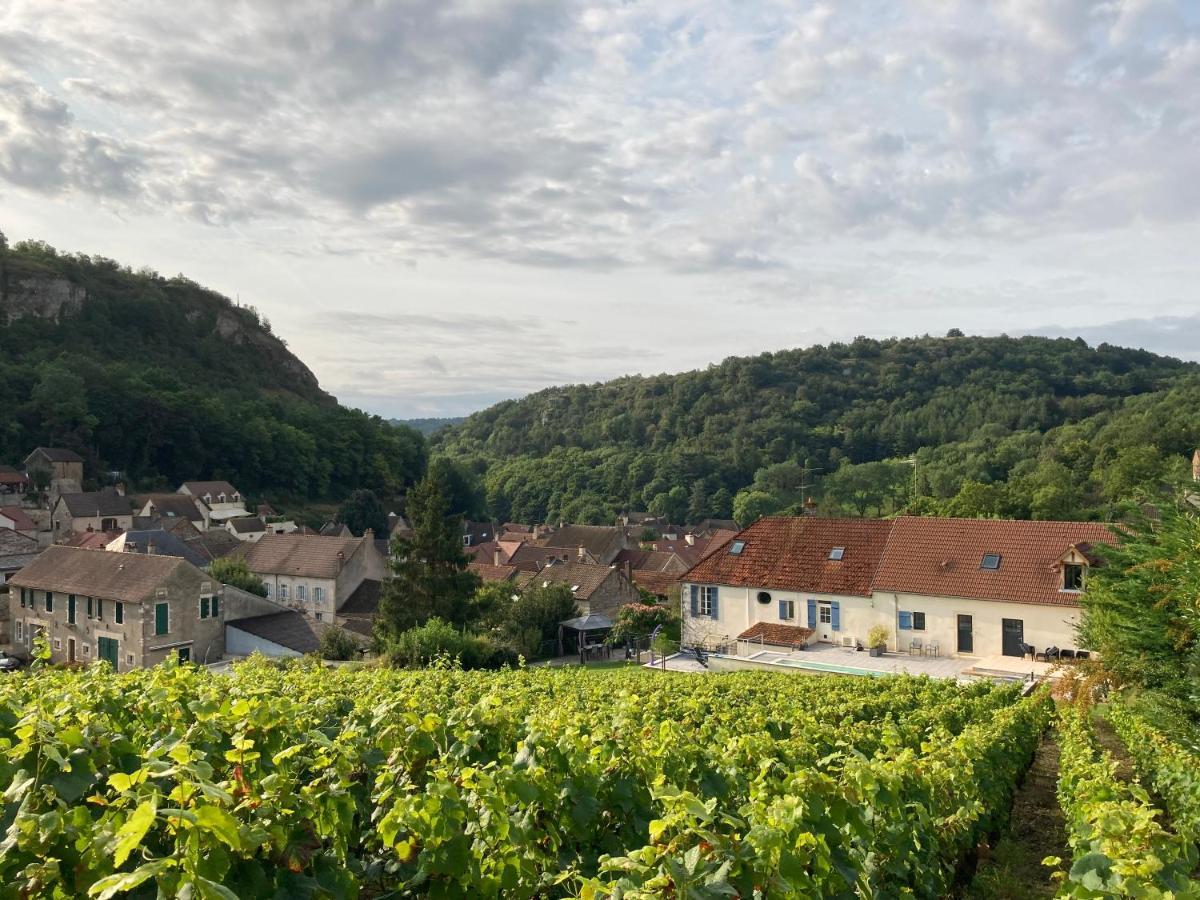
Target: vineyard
304	781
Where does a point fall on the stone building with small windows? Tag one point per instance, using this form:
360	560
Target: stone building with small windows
130	609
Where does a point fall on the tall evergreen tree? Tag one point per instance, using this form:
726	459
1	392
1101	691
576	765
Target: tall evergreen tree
429	572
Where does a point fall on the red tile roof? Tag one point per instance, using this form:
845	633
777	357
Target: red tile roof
19	518
776	633
658	583
941	557
793	554
488	572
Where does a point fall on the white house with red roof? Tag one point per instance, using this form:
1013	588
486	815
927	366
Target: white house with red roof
967	587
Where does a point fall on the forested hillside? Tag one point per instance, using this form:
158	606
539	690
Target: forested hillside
1040	427
163	380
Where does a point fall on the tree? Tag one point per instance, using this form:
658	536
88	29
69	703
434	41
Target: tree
530	623
464	493
362	510
750	506
870	485
1140	614
234	572
430	574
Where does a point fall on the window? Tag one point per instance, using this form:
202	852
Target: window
20	632
825	614
283	592
58	643
129	658
318	596
270	590
737	547
204	601
466	540
837	553
990	561
302	592
22	598
704	601
787	609
764	597
162	618
912	621
108	524
918	621
71	609
100	609
91	608
49	601
119	614
318	616
1072	577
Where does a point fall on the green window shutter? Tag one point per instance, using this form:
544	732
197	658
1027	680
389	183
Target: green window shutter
204	607
216	606
99	608
119	617
89	607
49	601
71	608
161	618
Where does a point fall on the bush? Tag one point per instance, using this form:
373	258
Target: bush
637	620
337	644
437	639
878	636
236	573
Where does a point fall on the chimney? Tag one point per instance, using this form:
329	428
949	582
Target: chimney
496	557
341	560
580	553
629	569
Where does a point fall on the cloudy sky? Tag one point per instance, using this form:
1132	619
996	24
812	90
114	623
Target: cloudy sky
440	203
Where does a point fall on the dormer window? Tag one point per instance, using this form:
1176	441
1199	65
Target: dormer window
990	561
221	497
837	553
208	499
466	540
1072	577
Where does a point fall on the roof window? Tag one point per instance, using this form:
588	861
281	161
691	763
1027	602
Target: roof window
837	553
737	547
990	561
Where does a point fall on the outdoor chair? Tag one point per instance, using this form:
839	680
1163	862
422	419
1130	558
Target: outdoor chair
932	649
1067	654
1051	654
1030	651
1083	654
914	647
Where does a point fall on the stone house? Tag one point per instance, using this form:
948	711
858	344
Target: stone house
90	511
17	550
314	573
130	609
597	589
601	542
60	463
217	501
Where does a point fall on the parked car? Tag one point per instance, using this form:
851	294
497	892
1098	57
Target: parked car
10	663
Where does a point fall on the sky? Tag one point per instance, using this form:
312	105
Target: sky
444	203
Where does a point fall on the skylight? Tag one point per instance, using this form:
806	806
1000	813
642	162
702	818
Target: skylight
837	552
990	561
737	547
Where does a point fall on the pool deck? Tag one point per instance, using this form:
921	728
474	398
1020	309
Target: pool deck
847	661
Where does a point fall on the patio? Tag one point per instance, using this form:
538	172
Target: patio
828	658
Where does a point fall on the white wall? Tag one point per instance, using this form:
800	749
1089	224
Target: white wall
738	609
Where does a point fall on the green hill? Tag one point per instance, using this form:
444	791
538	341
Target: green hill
958	425
164	380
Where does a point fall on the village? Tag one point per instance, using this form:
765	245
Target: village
124	577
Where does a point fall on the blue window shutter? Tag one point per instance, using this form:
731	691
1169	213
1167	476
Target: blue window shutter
695	600
835	615
783	609
716	612
906	621
812	613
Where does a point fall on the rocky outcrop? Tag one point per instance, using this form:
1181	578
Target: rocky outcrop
40	296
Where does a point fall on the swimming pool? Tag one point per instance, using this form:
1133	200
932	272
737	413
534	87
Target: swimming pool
793	663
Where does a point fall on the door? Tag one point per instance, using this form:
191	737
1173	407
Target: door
185	654
70	649
825	620
966	634
106	648
1014	637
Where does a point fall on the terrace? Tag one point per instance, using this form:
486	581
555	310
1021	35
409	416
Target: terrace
827	658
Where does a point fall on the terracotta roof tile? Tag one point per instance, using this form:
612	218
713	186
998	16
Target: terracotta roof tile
19	518
658	583
793	554
775	633
488	572
583	578
942	557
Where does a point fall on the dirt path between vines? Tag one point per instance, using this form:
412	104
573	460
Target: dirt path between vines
1013	869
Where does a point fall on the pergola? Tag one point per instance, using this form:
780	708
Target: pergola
584	625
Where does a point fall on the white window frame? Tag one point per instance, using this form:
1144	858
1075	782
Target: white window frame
302	593
1082	578
791	606
283	592
318	596
825	613
270	590
704	604
317	616
58	643
20	632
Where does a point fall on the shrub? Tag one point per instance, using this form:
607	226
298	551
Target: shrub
878	636
337	644
437	639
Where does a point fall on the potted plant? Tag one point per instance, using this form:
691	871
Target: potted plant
877	639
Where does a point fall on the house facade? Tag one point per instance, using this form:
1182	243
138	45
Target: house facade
970	587
601	590
61	464
217	501
130	609
314	573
